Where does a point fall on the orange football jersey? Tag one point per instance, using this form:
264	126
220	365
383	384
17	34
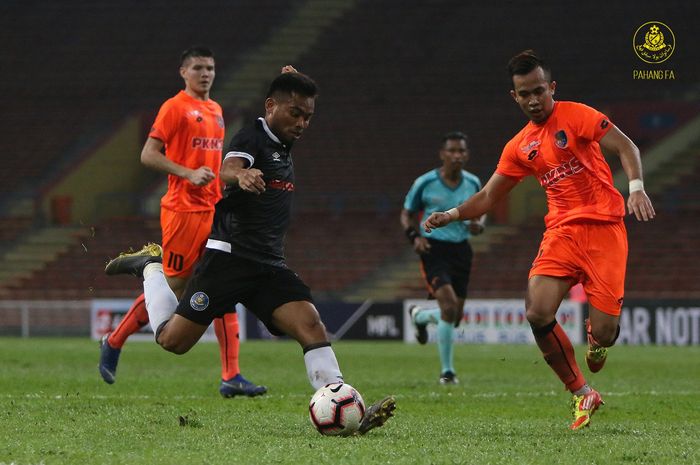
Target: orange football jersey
193	133
564	155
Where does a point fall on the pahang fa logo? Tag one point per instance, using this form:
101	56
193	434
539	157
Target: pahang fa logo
654	42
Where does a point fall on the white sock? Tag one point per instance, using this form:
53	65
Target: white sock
585	389
160	299
322	366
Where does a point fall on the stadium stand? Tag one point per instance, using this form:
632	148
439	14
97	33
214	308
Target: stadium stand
99	75
377	127
77	272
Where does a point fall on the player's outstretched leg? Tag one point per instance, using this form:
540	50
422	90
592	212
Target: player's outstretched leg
421	328
239	386
111	344
596	354
584	406
377	414
133	263
109	358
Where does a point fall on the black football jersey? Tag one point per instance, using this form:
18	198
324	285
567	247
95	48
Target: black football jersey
249	225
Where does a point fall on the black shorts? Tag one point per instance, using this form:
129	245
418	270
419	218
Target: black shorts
447	263
221	280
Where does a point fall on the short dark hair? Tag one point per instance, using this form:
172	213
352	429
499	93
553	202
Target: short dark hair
526	61
196	51
454	135
289	83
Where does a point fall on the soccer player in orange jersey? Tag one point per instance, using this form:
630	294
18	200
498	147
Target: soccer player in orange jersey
190	127
585	238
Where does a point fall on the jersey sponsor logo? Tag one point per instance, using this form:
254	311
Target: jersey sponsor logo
563	171
560	139
654	42
207	143
199	301
280	185
530	146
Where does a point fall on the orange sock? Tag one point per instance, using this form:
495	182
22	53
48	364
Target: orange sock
559	355
226	329
135	319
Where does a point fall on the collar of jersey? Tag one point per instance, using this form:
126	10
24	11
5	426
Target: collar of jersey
267	130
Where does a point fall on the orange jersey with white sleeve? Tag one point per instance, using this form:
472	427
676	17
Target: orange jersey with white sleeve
564	155
193	134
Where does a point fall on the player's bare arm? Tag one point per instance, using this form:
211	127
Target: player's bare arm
152	157
638	203
234	171
477	205
410	224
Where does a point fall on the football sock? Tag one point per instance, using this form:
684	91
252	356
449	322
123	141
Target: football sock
428	315
161	302
226	330
321	365
135	319
559	354
445	337
584	390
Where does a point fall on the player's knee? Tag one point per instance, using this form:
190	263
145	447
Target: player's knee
605	335
173	345
537	318
313	325
450	313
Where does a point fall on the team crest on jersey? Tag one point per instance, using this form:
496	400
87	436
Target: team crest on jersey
220	121
199	301
560	139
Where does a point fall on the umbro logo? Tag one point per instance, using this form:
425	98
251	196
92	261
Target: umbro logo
276	156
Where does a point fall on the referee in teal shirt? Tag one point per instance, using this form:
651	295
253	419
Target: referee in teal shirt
445	253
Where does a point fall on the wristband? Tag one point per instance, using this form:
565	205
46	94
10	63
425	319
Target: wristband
454	214
636	185
411	234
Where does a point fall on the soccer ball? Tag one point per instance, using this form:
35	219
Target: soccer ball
336	410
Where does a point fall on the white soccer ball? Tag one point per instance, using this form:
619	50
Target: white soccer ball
336	410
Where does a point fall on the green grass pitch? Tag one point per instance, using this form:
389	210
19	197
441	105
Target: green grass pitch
508	409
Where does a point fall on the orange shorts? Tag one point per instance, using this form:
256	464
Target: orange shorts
184	237
592	253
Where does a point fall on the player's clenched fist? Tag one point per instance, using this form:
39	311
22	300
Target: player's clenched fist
437	220
201	176
251	180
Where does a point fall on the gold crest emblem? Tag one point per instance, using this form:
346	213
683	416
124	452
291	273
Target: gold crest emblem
654	42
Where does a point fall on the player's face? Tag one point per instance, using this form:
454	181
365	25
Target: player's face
534	93
289	115
198	73
454	154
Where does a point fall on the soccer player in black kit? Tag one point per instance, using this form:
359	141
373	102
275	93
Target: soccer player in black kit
244	258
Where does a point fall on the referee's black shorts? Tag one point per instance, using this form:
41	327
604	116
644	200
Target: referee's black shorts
447	263
221	280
